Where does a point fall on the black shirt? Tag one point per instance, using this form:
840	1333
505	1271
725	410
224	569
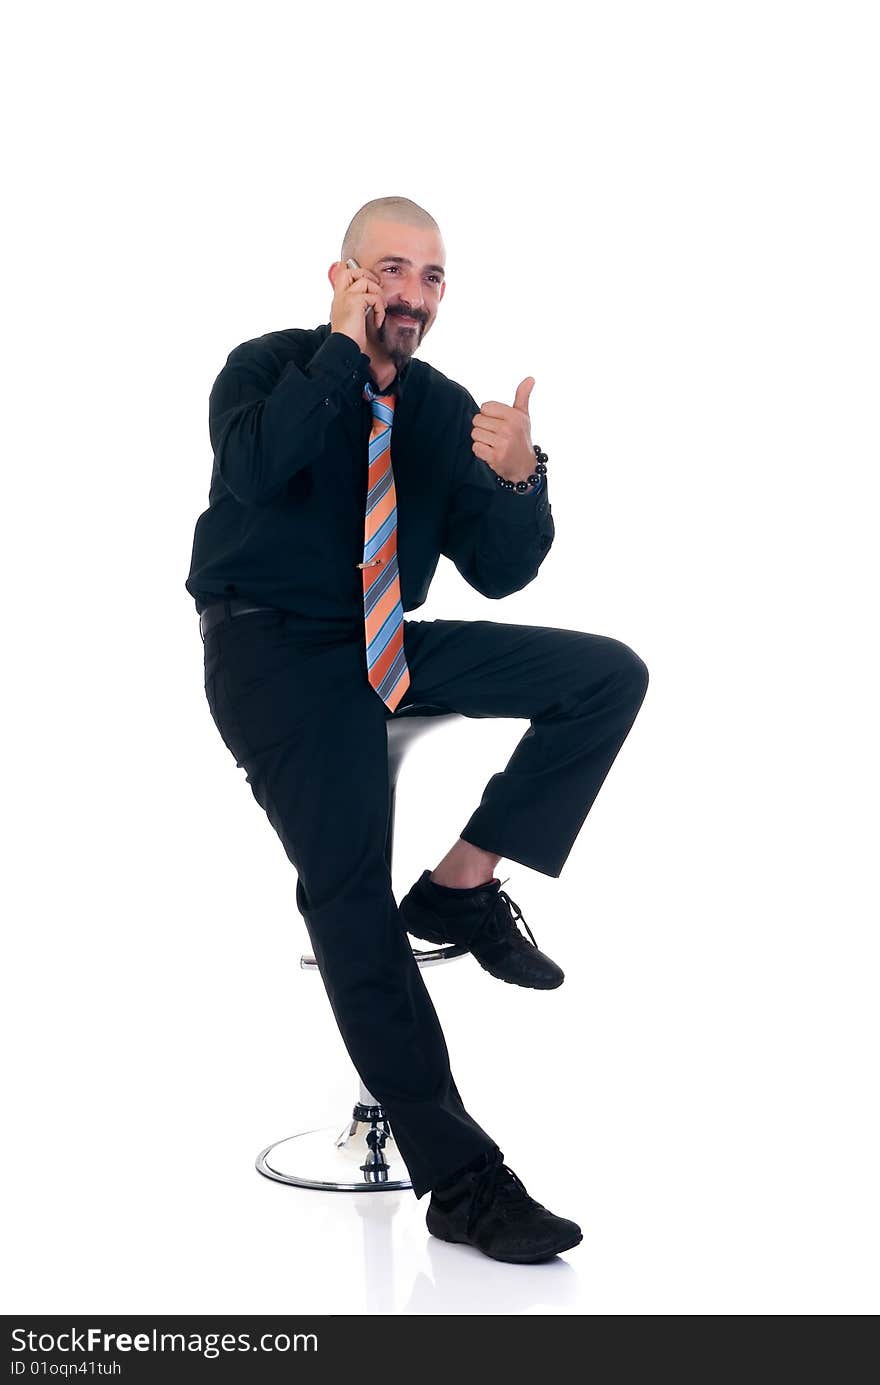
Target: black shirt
290	427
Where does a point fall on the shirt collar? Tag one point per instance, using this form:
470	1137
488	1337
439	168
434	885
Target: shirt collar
398	384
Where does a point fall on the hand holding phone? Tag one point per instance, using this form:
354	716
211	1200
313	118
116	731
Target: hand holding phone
356	293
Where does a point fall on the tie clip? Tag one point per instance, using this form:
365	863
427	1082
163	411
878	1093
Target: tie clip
371	564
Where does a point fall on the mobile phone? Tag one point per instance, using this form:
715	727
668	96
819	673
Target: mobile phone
353	264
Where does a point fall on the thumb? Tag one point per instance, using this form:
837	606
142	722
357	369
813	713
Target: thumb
523	390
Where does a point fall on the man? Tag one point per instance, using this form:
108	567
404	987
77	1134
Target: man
312	548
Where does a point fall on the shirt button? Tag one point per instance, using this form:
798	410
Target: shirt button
326	401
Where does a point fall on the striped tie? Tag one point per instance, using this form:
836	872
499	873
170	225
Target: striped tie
383	611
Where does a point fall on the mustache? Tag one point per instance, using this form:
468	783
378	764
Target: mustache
398	312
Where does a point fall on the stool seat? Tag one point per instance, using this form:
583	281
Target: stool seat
364	1157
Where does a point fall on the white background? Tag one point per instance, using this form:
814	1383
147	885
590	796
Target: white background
668	215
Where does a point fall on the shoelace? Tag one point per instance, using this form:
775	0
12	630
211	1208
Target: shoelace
495	1183
498	921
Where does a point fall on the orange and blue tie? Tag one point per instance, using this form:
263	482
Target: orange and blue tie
387	669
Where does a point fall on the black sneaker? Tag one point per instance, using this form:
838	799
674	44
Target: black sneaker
490	1209
484	920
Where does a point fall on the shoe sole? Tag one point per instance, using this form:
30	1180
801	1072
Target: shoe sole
508	981
510	1259
523	985
428	937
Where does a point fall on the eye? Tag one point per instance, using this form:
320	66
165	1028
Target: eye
394	269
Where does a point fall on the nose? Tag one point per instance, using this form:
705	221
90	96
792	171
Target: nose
410	298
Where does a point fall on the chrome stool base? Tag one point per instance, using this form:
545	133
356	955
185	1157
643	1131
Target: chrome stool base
363	1159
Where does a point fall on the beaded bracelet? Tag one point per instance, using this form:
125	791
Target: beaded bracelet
539	471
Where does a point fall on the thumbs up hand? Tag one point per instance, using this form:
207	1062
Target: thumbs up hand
502	434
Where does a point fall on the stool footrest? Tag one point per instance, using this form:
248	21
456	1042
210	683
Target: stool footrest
426	957
364	1158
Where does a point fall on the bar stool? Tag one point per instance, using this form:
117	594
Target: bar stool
364	1157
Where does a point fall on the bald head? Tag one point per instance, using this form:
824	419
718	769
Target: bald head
400	210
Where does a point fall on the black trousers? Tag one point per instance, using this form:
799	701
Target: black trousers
293	705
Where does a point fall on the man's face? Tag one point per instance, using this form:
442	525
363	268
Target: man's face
409	263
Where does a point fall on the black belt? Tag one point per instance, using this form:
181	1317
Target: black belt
225	609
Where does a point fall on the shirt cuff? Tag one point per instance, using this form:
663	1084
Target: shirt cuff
520	509
341	365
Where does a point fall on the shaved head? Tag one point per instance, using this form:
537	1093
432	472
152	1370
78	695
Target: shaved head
397	209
